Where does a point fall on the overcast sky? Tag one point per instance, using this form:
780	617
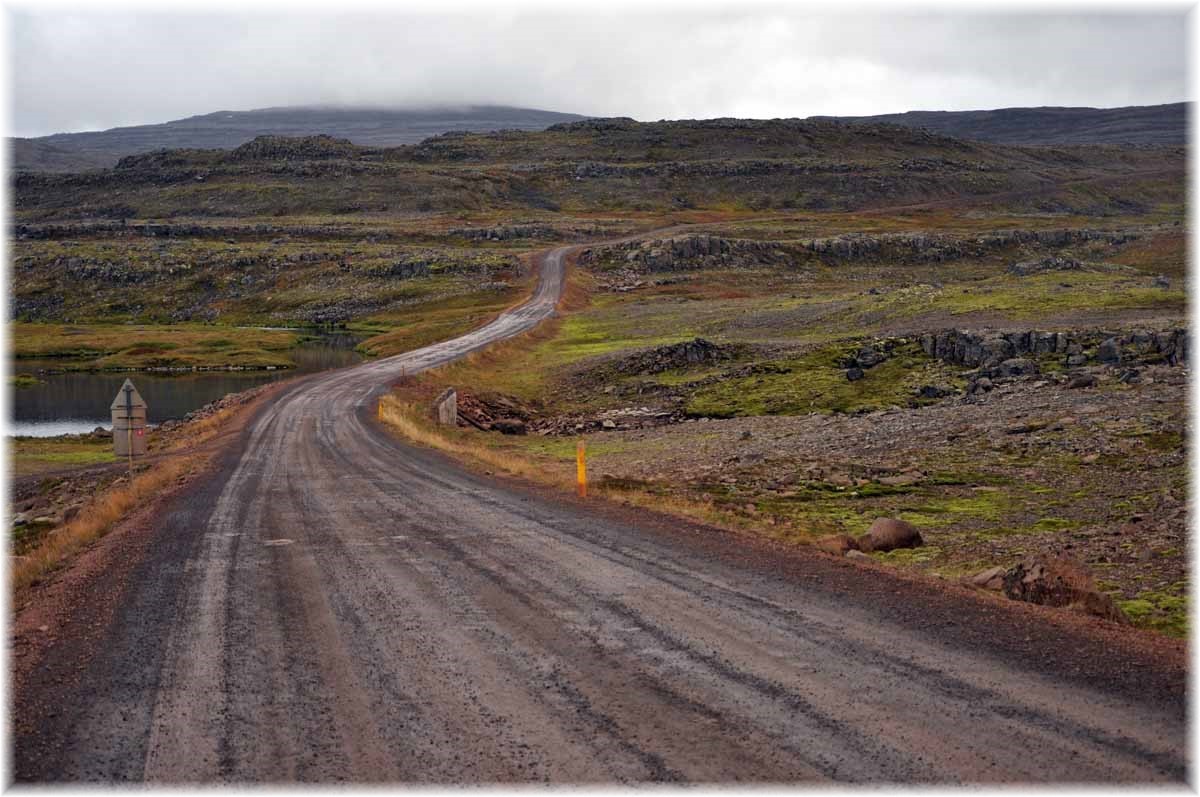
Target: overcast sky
96	69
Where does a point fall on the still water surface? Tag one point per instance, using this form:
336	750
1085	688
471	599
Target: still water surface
71	403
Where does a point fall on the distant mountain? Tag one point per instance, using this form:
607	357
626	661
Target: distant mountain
1137	124
374	127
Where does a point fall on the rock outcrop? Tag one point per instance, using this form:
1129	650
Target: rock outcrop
1059	579
700	251
688	252
992	349
1052	263
675	355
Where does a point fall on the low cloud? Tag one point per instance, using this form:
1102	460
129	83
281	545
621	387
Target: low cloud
81	71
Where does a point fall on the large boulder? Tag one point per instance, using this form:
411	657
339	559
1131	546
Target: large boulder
1110	351
888	534
1017	366
1059	579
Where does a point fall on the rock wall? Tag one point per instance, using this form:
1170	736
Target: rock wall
988	350
702	251
687	252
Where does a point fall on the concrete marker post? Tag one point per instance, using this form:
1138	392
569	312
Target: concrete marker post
129	424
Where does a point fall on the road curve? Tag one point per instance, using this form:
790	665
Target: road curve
335	605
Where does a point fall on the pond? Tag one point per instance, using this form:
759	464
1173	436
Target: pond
71	403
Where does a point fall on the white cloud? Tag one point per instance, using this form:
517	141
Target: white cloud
92	69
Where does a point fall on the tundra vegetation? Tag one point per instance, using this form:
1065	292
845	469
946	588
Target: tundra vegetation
818	325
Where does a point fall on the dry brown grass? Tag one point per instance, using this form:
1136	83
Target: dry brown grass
577	291
413	421
408	419
188	452
94	521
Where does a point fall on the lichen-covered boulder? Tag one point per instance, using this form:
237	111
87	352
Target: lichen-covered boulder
888	534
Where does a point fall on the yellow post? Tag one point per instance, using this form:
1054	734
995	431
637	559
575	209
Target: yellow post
581	468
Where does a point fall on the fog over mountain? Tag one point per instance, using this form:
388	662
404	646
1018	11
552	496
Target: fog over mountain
378	127
97	69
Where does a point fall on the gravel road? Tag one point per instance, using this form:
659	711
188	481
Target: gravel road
334	605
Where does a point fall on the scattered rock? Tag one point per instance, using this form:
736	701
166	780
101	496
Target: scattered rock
1027	427
510	426
887	534
676	355
1059	580
1082	381
1052	263
1161	282
836	544
869	357
992	578
980	385
902	479
854	374
1016	366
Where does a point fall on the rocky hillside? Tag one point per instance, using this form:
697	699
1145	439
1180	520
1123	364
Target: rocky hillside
1139	124
607	165
376	127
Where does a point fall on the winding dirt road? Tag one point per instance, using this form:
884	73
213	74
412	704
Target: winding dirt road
334	605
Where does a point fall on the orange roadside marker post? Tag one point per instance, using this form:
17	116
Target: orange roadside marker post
581	468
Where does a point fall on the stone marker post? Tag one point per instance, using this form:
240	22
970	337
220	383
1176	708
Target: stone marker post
129	422
447	407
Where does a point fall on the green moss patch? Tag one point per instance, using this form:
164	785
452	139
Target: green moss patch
31	455
816	382
121	346
1164	611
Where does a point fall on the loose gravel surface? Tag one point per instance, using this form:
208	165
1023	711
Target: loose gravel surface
333	605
